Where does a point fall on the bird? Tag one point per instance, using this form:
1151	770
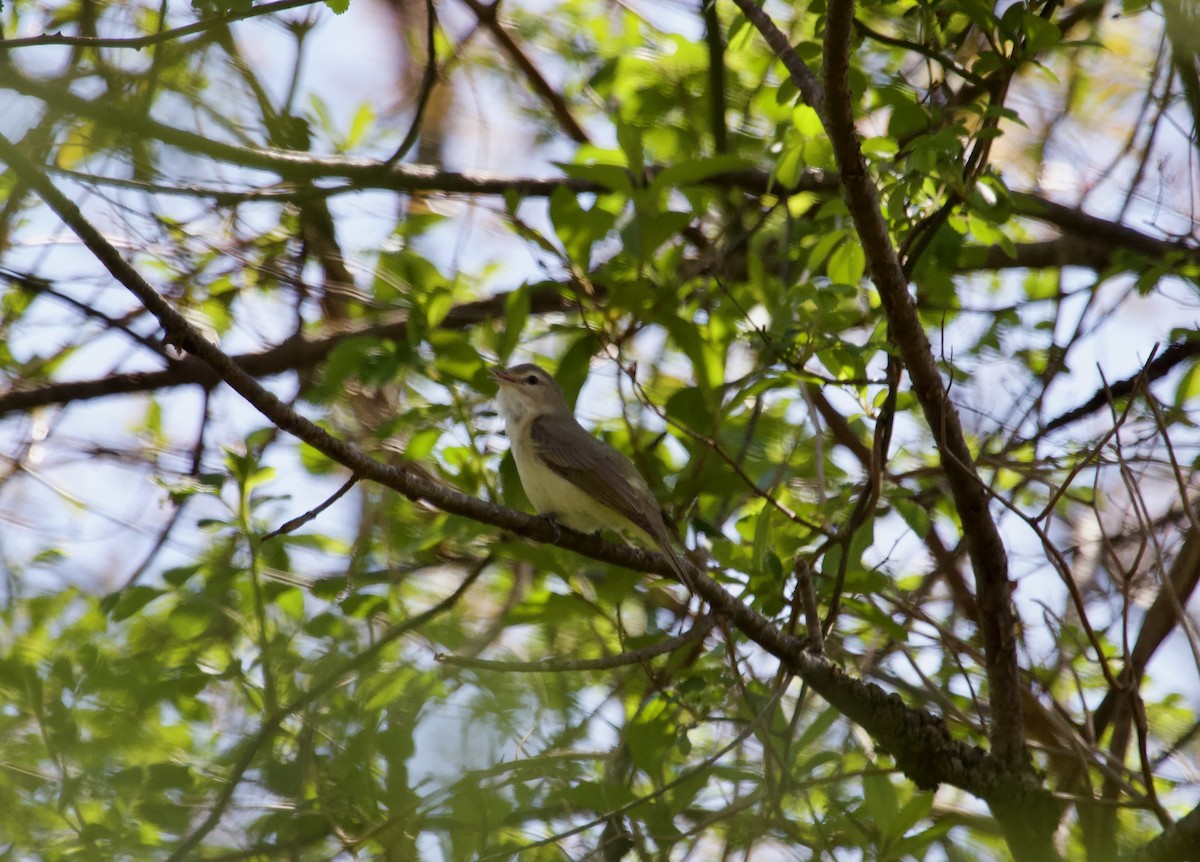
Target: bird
571	476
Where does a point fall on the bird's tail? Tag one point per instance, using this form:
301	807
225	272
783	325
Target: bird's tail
678	564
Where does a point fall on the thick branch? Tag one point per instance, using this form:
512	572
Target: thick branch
1179	842
1028	819
1094	229
1067	250
984	546
298	352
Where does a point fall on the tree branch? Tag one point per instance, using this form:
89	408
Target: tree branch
136	43
984	546
1071	249
804	78
1159	367
486	15
1092	228
698	630
1027	828
298	352
1179	842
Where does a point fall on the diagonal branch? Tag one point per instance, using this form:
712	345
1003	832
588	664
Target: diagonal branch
486	14
1176	843
984	546
1160	366
804	78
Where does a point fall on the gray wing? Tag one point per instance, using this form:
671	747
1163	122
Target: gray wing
596	468
608	476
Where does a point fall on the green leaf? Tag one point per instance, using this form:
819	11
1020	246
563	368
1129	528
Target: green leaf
615	178
382	689
422	443
915	515
316	462
291	602
650	736
125	603
364	117
694	171
825	245
574	366
912	812
908	118
1189	385
578	229
1040	34
789	167
190	619
649	231
807	122
689	407
437	305
880	803
76	146
629	138
454	356
516	313
707	355
762	538
847	263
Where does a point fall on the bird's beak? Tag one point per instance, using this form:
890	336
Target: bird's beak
502	376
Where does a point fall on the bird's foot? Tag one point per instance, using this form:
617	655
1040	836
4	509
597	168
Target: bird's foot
551	518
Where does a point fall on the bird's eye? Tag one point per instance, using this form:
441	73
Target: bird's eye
531	380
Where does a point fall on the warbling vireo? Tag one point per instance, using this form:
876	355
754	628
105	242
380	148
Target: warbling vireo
571	476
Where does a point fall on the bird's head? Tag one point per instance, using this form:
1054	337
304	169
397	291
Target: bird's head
527	392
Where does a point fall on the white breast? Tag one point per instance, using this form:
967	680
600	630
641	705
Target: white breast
551	494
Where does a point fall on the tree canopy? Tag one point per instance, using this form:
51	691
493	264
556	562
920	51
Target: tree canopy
893	304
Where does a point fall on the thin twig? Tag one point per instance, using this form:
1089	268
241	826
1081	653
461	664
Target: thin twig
486	13
428	82
311	514
136	43
699	629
